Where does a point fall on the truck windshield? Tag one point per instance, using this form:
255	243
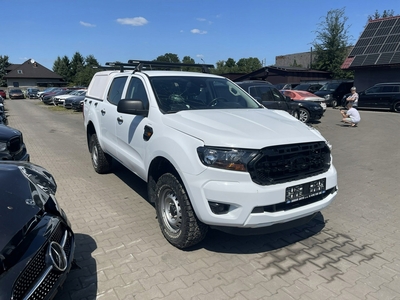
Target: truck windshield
189	93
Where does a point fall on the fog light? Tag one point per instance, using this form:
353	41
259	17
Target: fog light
219	208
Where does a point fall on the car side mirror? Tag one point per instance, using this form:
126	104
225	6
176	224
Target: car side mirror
133	107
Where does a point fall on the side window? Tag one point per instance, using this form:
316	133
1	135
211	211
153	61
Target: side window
277	95
116	88
136	91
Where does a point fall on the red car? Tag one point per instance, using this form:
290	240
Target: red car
3	94
303	95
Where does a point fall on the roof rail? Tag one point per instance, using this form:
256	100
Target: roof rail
138	65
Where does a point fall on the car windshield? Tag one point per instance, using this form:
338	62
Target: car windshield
189	93
15	91
331	87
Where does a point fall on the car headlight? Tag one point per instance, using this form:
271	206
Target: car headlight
222	158
3	146
317	107
328	97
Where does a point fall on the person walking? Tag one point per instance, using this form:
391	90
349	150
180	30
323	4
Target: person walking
351	116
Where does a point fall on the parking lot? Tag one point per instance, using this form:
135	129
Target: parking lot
349	251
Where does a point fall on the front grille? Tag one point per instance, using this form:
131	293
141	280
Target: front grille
279	164
15	144
37	266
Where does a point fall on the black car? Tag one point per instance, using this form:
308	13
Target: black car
36	242
333	91
308	87
32	93
74	102
3	115
271	98
380	96
12	145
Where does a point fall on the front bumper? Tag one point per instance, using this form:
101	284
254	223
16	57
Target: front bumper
252	205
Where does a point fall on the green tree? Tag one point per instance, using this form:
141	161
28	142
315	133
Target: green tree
3	66
61	66
168	57
77	64
248	65
83	77
331	44
385	14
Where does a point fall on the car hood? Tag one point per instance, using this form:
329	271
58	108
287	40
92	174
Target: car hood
242	128
7	132
24	191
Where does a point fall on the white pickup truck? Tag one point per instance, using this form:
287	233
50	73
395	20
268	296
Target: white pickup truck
210	153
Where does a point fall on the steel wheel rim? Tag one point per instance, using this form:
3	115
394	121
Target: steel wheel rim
171	211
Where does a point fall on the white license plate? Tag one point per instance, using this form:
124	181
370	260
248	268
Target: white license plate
305	190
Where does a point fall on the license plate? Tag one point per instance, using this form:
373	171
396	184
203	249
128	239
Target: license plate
305	190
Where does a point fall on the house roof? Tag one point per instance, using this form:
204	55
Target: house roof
30	69
378	45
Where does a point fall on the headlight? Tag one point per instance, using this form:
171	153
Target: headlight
327	97
3	146
229	159
317	107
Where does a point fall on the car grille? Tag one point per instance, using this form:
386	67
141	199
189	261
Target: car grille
27	285
279	164
14	144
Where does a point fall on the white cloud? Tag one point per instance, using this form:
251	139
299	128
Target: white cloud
201	19
86	24
198	31
138	21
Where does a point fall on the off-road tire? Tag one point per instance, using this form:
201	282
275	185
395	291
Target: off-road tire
175	214
101	161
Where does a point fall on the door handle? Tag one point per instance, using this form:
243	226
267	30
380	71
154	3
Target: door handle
120	120
103	111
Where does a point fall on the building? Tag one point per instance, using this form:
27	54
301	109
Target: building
31	73
375	57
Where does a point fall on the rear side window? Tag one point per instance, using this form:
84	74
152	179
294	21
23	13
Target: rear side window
116	89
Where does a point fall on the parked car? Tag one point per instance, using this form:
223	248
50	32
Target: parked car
32	93
304	95
37	244
333	91
309	87
48	90
270	97
59	99
3	115
381	96
3	94
75	102
1	100
48	98
12	146
16	94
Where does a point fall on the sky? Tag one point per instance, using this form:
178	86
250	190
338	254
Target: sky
206	30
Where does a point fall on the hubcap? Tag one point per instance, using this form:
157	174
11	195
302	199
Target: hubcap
171	211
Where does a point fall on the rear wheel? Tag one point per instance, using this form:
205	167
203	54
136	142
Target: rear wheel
175	214
334	103
396	106
304	115
101	161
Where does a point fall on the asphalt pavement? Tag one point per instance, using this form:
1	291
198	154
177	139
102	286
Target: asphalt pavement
349	251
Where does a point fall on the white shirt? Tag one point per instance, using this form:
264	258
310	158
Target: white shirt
354	115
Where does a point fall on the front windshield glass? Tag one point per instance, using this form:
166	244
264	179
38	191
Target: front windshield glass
178	93
331	87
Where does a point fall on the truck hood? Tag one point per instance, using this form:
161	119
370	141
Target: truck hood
20	200
242	128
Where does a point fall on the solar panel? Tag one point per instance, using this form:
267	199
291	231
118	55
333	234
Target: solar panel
370	59
379	44
396	58
384	58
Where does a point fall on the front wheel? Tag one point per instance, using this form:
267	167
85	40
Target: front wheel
334	103
396	106
175	214
304	115
101	161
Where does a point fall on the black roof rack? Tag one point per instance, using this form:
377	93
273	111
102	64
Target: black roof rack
137	65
